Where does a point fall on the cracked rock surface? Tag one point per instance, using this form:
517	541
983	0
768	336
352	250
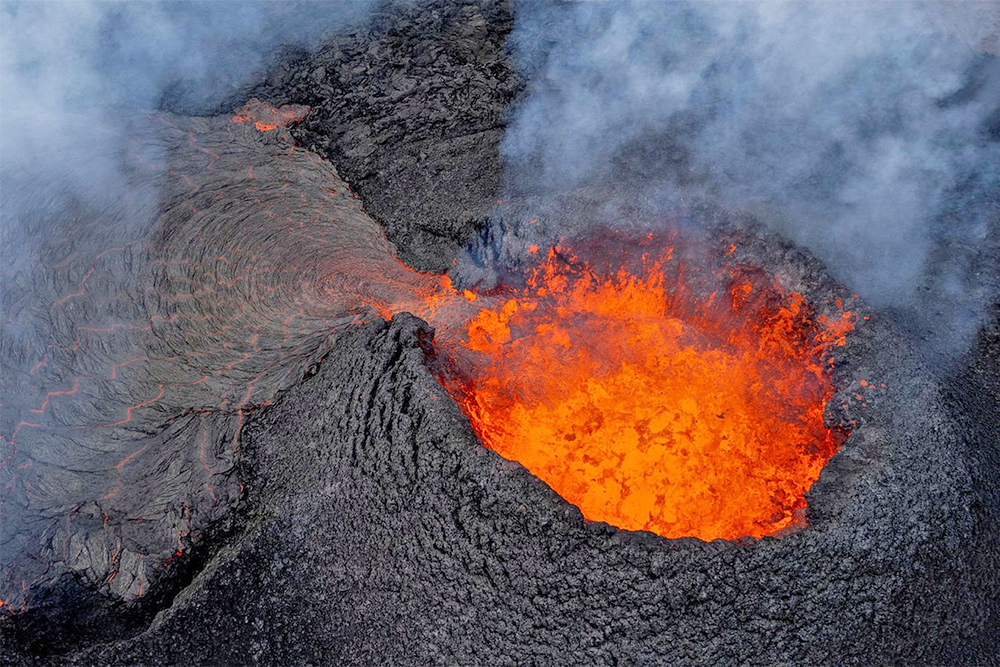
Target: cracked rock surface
359	521
411	108
378	530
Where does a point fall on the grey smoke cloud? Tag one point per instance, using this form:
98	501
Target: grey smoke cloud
867	131
71	72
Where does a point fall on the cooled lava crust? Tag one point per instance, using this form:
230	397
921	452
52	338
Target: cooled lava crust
377	529
344	512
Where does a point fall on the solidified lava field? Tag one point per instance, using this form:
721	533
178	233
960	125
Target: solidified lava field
232	433
125	429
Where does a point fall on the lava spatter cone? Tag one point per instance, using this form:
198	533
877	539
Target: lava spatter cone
651	407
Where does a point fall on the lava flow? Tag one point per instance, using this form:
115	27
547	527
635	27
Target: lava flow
653	408
266	117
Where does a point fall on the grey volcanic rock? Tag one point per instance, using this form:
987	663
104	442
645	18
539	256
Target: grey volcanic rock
132	355
378	530
411	109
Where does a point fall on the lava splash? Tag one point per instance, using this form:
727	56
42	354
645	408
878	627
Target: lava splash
651	401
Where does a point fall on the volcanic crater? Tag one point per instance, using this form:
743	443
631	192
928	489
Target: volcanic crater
249	432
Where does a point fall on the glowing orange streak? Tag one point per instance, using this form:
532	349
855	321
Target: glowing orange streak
81	292
48	396
86	277
128	412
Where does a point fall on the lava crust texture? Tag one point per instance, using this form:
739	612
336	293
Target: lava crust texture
133	354
378	530
411	108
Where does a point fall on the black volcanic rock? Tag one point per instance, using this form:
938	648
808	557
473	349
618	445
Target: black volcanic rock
378	530
411	108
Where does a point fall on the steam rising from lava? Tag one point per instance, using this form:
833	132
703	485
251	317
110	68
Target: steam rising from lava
71	73
189	269
869	132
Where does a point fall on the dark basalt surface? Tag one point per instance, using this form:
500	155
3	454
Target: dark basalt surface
378	530
411	108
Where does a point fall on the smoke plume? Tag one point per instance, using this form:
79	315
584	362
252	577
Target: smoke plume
70	72
868	132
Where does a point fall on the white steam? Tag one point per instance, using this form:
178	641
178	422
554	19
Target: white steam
867	131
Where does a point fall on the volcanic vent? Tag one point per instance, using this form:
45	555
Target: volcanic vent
650	402
648	389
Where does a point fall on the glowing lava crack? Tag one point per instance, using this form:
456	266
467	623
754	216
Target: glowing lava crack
651	408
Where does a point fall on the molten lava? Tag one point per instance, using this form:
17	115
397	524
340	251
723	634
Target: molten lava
266	117
653	408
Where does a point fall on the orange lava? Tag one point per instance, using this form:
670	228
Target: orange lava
266	117
650	406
